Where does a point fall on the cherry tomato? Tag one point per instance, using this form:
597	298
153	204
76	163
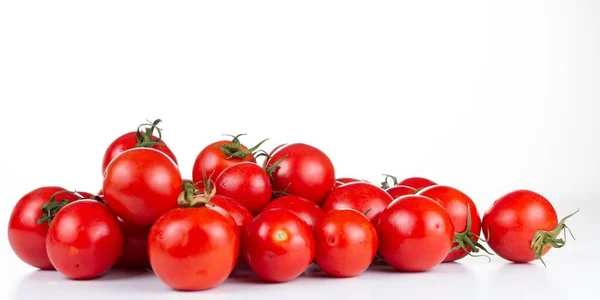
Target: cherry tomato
465	219
522	226
135	246
278	245
361	196
143	137
345	243
305	209
348	180
303	171
417	182
415	233
27	236
247	183
216	157
84	240
140	185
193	249
264	164
338	183
237	211
400	190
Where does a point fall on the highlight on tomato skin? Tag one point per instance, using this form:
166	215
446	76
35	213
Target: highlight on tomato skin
361	196
305	209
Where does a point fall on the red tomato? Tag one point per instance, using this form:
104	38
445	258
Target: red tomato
338	183
140	185
522	225
465	219
278	245
264	164
415	233
85	195
417	182
305	209
137	139
193	249
84	240
303	171
247	183
400	190
345	243
135	246
27	236
361	196
237	211
216	157
348	180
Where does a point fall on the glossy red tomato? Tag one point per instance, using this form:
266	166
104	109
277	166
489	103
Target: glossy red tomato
361	196
278	245
460	207
248	184
415	233
417	182
193	249
338	183
348	180
346	243
84	240
305	209
237	211
140	185
264	164
27	236
520	225
135	246
400	190
303	171
143	137
216	157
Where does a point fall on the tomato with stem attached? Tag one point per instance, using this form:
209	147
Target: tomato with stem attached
361	196
305	209
247	183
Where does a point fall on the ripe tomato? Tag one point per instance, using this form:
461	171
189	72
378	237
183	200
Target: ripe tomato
417	182
522	226
142	137
247	183
278	245
338	183
135	246
348	180
415	233
193	249
27	227
237	211
140	185
345	243
361	196
400	190
264	164
305	209
216	157
84	240
303	171
465	219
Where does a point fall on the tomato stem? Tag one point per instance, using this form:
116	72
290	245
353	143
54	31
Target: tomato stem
385	185
191	196
543	239
467	241
235	149
145	138
270	169
51	208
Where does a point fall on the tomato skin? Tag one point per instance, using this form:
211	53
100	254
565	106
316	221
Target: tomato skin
360	196
415	234
84	240
264	164
140	185
306	172
401	190
345	243
129	141
237	211
248	184
417	182
511	222
26	237
455	202
213	161
278	245
348	180
135	246
305	209
193	249
338	183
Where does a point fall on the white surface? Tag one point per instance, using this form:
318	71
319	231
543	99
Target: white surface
487	97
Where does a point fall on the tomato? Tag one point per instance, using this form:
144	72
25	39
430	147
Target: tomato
26	233
465	219
345	243
415	233
417	182
338	183
264	164
361	196
348	180
522	226
305	209
143	137
140	185
303	171
135	246
84	240
216	157
400	190
193	249
278	245
237	211
247	183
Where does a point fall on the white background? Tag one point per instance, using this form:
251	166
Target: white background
486	97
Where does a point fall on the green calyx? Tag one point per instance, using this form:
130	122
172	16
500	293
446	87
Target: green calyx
465	241
385	185
145	134
235	149
51	208
543	239
191	196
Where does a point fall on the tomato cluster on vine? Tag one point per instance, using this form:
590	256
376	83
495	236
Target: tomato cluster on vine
275	213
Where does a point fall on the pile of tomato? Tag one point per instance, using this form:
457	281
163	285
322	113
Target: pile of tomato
275	213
